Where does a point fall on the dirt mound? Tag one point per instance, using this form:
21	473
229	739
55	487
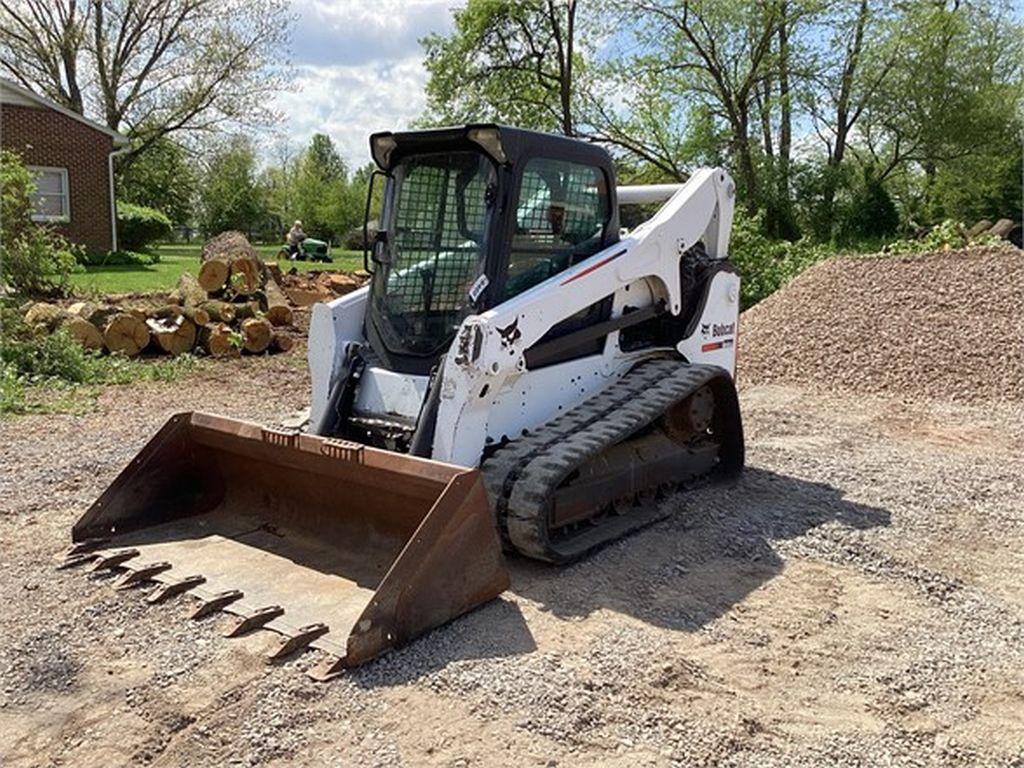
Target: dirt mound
946	325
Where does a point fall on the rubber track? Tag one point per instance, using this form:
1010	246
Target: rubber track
522	475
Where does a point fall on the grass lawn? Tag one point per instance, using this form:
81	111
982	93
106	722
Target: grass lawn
175	259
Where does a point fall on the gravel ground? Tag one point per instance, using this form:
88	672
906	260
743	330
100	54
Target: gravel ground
948	325
856	599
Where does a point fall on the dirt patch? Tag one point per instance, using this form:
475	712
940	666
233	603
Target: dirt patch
946	325
854	600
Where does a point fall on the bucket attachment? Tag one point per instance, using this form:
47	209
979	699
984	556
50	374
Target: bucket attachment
334	545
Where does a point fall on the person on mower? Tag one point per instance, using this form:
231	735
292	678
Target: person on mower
295	238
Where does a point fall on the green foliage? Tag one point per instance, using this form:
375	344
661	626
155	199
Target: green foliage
230	197
119	258
316	190
34	260
505	61
32	365
139	226
871	213
161	177
946	235
765	265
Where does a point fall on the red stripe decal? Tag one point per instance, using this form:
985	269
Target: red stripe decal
592	267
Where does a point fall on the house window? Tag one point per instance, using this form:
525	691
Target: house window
51	201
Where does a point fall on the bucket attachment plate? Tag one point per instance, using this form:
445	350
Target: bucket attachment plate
348	549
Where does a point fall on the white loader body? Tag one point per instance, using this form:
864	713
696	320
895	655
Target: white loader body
488	393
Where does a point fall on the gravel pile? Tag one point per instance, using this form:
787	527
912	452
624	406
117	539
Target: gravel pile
947	325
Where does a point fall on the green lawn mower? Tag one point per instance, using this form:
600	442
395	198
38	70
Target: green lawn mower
310	249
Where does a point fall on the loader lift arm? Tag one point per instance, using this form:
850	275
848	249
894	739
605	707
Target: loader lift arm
493	346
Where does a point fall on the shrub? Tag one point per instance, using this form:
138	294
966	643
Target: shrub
118	258
34	260
871	212
942	237
765	265
139	226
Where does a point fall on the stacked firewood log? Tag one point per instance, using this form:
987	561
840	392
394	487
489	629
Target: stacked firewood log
233	305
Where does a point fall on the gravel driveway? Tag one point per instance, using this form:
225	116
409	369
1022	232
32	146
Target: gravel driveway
857	599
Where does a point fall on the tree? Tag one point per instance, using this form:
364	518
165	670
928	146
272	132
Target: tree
718	52
851	64
149	68
163	178
953	90
511	61
230	196
315	188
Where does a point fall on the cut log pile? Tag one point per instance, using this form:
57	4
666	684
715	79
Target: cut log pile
304	289
233	305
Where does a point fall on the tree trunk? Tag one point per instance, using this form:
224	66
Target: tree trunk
221	311
230	261
281	342
175	336
190	291
218	340
45	317
126	334
256	334
84	332
279	312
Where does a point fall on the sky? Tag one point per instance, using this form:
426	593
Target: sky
358	69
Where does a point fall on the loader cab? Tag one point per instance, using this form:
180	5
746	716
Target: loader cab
471	217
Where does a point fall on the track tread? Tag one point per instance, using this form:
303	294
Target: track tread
522	475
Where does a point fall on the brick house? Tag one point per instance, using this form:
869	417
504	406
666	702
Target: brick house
72	158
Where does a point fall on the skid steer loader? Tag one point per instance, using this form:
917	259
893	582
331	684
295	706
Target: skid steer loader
518	374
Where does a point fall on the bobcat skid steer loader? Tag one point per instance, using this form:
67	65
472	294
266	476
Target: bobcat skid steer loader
518	374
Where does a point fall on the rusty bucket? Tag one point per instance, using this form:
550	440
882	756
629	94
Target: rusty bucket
334	545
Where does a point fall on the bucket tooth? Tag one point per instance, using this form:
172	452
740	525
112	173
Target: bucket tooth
327	670
303	637
139	575
173	588
76	560
216	603
113	559
86	545
255	620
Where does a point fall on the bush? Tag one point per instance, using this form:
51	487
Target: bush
139	226
871	213
118	258
944	236
765	265
34	260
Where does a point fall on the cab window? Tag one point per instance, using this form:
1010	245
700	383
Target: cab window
560	219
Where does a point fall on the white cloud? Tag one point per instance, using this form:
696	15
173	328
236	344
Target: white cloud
359	69
349	102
